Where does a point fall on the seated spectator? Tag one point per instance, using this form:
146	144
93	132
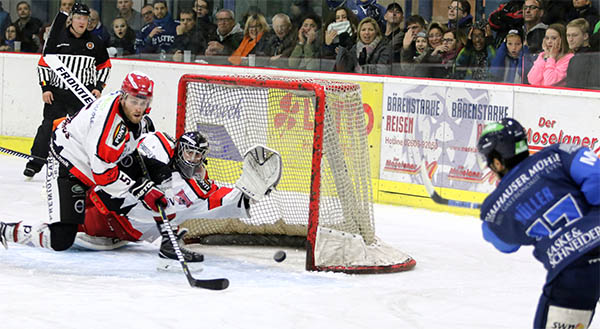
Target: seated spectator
414	25
393	35
29	27
7	41
534	28
306	52
369	55
584	67
473	61
507	66
339	31
550	68
459	16
229	35
203	10
435	34
254	29
414	68
584	9
370	8
132	17
122	36
441	60
188	37
96	27
159	35
147	15
278	45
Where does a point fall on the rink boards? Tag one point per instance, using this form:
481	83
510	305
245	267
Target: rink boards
412	124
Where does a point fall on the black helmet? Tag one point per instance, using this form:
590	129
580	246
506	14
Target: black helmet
505	140
81	9
192	148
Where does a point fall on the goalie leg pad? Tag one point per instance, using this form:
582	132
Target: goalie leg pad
261	172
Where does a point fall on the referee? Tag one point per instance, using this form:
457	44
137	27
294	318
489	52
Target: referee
86	56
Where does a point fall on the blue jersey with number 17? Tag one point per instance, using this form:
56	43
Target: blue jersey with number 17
550	200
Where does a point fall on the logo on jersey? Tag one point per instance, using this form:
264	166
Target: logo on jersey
77	189
127	161
79	206
120	134
89	45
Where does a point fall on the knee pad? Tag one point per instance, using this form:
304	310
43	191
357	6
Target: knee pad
62	235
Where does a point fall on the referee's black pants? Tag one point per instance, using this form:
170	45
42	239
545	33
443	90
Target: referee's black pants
64	103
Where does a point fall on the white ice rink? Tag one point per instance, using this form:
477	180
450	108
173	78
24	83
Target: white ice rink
460	281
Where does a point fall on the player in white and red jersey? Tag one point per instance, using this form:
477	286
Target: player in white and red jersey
84	152
178	169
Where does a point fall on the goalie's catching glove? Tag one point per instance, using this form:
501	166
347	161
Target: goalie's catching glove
150	195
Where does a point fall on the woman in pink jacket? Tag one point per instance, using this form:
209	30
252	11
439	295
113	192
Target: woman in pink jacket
550	67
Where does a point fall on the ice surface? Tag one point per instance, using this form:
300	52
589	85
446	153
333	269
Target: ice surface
460	281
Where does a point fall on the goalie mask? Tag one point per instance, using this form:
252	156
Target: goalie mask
192	148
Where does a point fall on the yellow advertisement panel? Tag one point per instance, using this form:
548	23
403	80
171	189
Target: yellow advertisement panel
290	131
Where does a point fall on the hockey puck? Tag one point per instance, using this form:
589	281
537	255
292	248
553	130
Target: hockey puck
279	256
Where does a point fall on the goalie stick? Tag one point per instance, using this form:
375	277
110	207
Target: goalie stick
21	155
212	284
438	198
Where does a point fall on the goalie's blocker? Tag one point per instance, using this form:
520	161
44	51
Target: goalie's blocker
261	172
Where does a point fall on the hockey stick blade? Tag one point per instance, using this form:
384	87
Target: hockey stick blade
438	198
21	155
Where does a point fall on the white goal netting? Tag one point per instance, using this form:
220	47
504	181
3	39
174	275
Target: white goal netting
325	193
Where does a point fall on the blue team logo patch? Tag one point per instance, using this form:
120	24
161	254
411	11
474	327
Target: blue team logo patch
120	134
89	45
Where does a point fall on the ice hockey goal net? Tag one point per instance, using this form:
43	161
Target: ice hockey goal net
324	196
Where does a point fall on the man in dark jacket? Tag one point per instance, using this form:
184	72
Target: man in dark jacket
28	26
584	9
229	35
203	10
188	37
276	47
584	67
393	35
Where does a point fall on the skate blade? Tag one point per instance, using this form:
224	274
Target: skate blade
171	265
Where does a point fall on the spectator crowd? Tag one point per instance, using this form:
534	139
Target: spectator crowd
538	42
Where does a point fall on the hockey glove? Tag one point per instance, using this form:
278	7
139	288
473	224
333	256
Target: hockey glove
150	195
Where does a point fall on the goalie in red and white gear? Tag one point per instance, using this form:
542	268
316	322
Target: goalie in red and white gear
85	150
179	170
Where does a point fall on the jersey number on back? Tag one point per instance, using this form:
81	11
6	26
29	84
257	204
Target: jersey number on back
550	223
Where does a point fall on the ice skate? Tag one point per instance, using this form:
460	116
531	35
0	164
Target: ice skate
168	258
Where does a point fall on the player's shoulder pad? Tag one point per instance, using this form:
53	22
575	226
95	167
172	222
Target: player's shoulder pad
157	145
115	133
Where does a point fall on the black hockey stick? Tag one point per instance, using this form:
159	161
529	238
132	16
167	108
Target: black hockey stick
21	155
438	198
212	284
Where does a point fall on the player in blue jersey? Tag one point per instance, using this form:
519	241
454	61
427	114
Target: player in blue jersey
549	200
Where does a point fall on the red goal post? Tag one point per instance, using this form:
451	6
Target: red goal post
325	194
